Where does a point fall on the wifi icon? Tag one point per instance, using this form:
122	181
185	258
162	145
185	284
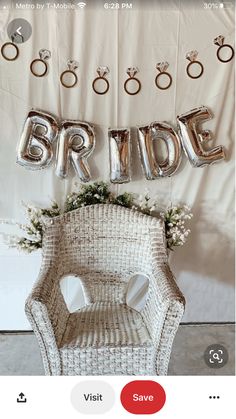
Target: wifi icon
81	5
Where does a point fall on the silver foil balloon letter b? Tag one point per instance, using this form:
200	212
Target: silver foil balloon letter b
119	150
76	143
146	136
35	146
193	140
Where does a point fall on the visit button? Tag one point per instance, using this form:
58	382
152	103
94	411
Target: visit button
143	397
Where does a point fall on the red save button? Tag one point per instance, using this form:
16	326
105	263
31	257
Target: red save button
143	397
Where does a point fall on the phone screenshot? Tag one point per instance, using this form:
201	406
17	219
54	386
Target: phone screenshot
117	209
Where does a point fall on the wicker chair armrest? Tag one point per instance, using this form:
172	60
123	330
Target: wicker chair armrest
165	284
164	297
46	302
171	323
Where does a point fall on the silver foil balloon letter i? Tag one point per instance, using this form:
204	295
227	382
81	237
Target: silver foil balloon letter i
119	151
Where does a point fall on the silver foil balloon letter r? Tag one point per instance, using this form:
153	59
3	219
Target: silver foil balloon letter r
76	143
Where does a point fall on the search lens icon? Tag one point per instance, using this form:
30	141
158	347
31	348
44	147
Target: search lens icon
216	356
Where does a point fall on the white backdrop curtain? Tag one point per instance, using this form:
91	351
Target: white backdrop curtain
204	267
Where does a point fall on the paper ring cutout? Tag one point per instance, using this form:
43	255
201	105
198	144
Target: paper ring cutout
188	69
68	86
168	85
106	88
138	87
220	49
38	60
12	45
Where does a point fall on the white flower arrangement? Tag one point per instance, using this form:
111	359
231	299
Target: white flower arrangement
174	218
33	230
176	231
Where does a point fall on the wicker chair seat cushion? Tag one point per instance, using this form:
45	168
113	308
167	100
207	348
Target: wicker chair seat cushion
105	324
109	361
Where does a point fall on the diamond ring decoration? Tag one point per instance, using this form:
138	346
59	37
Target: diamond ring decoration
162	67
192	57
44	55
69	77
9	47
102	71
219	40
132	71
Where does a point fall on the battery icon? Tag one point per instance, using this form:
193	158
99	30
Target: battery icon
226	5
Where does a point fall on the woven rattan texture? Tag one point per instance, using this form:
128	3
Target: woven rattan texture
104	245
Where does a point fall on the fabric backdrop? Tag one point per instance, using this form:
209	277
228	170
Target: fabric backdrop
204	267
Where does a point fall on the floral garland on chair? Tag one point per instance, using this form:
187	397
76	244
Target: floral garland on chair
99	193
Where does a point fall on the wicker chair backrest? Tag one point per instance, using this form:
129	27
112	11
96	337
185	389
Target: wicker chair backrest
104	245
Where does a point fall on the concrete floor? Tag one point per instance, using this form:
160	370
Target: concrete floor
19	352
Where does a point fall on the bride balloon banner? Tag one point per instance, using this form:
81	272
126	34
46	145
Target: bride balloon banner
76	142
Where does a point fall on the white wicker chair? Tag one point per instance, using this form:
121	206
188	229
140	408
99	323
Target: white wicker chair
104	245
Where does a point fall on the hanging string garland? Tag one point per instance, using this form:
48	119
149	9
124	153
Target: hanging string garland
36	152
132	84
119	140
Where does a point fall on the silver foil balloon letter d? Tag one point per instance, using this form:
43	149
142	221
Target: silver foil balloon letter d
152	168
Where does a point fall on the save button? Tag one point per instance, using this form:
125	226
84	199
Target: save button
143	397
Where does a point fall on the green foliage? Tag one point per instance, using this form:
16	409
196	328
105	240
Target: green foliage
125	200
29	245
54	211
96	193
99	193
